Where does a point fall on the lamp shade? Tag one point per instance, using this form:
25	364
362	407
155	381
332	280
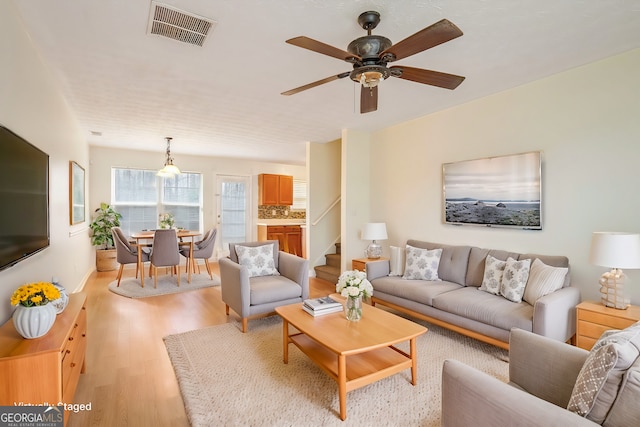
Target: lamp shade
374	231
615	249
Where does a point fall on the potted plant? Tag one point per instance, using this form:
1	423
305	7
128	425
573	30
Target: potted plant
105	218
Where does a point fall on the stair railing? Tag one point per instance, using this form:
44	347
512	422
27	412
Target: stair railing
326	211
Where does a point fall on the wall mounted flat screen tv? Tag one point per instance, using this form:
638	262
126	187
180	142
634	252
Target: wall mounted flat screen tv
503	191
24	199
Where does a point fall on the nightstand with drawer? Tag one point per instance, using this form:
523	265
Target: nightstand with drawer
360	263
593	318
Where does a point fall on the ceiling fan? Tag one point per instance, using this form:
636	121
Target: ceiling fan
370	54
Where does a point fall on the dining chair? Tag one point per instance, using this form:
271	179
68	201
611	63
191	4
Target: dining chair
164	253
126	253
202	249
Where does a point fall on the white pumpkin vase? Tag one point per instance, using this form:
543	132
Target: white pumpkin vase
34	322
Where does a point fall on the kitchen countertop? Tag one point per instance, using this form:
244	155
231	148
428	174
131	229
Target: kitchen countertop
300	222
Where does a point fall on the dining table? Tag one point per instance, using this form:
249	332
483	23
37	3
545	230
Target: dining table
141	236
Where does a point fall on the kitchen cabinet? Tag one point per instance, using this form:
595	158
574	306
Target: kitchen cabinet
289	237
275	189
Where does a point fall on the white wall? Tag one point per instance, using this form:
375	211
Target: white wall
585	120
32	106
103	159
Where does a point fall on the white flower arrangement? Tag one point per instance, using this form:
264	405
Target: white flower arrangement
354	283
167	220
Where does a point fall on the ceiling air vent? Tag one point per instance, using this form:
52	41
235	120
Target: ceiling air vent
176	24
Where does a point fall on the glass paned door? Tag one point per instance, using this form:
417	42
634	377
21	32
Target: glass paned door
234	211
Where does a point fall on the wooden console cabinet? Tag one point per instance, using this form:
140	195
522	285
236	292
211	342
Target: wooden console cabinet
594	318
46	369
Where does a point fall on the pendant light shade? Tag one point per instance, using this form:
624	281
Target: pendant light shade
169	169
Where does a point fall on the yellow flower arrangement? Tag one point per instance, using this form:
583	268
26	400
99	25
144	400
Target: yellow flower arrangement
32	294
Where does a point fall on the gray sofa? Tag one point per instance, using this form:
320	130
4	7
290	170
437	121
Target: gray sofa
456	303
542	376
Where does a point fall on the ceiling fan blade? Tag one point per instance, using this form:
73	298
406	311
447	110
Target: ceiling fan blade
314	84
438	33
368	99
323	48
428	77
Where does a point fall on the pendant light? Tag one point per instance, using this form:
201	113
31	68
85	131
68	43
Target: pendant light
169	169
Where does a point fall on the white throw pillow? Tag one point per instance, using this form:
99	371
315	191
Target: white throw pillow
397	261
514	279
543	280
258	260
422	264
493	272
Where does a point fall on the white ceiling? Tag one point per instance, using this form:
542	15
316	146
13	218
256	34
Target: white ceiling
223	99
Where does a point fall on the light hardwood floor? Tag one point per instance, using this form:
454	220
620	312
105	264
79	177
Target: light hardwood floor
129	380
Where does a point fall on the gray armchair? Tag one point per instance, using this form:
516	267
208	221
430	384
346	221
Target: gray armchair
254	296
542	374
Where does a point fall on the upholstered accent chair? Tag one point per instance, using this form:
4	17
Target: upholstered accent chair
127	253
202	249
551	383
164	253
258	277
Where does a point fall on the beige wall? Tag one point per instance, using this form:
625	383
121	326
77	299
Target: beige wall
586	122
102	159
32	106
323	162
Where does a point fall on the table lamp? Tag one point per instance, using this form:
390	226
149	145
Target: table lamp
374	231
615	250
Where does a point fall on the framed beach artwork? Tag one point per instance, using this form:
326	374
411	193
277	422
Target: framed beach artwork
76	193
503	191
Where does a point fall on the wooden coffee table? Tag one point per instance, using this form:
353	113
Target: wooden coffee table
354	354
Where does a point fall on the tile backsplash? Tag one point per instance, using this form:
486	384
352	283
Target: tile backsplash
279	212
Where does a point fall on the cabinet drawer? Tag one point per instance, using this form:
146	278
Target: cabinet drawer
585	342
591	330
604	319
358	265
73	355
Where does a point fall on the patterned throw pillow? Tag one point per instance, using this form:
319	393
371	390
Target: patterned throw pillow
599	380
514	279
493	271
397	261
543	280
422	264
258	260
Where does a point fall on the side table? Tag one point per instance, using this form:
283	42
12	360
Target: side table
593	318
360	263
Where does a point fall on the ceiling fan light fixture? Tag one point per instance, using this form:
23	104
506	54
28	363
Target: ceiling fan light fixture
371	79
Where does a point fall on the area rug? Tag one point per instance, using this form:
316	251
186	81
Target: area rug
130	287
234	379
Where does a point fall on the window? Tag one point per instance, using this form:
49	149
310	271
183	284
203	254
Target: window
141	196
299	195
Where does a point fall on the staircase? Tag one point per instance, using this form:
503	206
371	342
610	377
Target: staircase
331	270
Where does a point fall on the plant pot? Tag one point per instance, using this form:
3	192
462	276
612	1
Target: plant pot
34	322
106	260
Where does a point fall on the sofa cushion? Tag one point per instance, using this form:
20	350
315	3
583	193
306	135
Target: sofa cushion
267	289
476	265
483	307
258	260
543	280
625	410
601	375
421	264
420	291
493	271
397	261
453	261
514	279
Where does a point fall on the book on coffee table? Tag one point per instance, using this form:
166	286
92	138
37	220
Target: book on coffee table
322	312
322	303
